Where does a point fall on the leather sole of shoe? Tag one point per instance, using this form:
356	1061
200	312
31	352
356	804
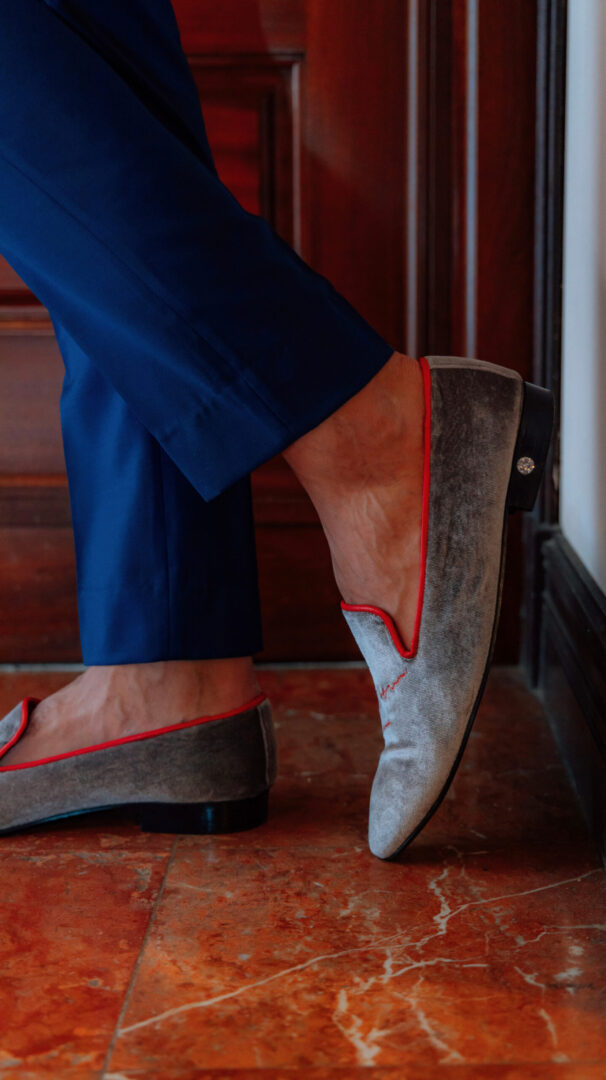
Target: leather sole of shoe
201	819
532	448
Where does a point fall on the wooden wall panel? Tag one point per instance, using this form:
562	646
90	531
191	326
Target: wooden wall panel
10	282
477	276
251	111
236	27
505	184
505	228
20	311
30	385
353	151
38	615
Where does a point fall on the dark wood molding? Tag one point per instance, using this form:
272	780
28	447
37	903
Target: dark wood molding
549	212
418	173
573	675
37	501
24	318
548	269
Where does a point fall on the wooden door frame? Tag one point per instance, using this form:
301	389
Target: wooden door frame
471	201
564	642
541	525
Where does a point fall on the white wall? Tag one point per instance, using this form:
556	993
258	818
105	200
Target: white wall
583	479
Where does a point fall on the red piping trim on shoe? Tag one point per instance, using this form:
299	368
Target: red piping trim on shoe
127	738
26	706
407	654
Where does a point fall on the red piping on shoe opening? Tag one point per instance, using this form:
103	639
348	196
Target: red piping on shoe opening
126	739
27	705
387	619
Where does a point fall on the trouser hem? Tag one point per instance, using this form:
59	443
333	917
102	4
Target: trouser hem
121	626
240	447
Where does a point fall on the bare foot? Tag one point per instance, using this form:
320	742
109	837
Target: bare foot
110	702
363	469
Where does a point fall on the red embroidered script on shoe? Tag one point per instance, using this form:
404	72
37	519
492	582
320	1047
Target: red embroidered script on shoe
384	691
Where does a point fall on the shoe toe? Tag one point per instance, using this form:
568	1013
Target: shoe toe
403	793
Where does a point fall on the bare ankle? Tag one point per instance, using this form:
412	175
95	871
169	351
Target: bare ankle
369	437
363	469
230	682
180	685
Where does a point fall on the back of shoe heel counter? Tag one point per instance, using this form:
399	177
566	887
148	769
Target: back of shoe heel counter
470	363
266	724
246	747
229	758
488	398
532	447
534	409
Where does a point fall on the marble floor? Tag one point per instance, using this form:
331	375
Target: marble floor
479	955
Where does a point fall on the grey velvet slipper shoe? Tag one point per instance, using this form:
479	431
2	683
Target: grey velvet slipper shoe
209	775
487	436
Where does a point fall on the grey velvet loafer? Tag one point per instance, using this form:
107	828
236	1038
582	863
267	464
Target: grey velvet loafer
487	436
208	775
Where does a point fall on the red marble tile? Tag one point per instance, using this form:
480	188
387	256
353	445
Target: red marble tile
75	904
105	832
483	947
298	958
71	928
414	1072
482	950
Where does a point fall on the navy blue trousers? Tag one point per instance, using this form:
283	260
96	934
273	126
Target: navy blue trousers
197	344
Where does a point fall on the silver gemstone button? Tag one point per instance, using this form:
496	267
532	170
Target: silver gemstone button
525	465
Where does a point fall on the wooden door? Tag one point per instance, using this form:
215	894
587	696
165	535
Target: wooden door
391	142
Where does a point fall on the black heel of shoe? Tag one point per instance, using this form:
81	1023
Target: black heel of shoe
204	818
532	447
